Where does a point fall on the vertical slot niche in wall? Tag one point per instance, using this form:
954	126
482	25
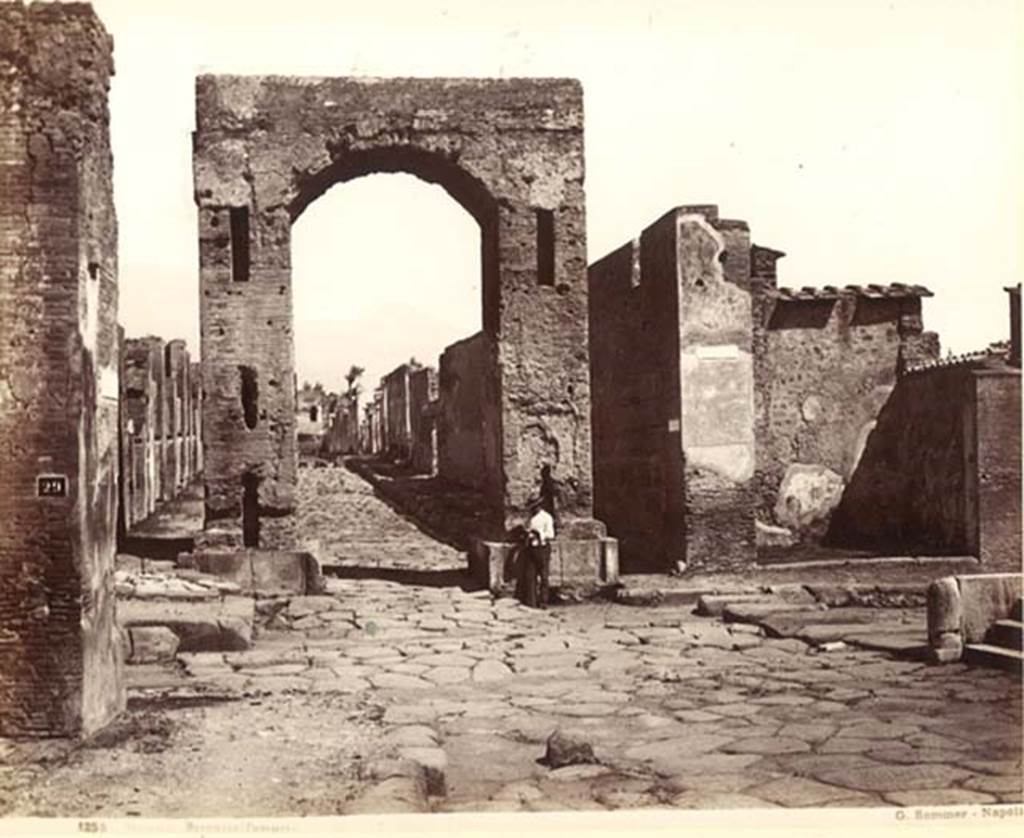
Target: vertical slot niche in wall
545	247
239	219
250	510
250	396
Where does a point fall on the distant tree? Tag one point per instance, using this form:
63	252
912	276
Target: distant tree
351	379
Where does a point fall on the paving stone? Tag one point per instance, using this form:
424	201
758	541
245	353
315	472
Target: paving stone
392	681
809	732
490	670
995	784
410	714
448	674
304	606
718	800
592	709
800	791
878	730
696	716
417	736
767	745
672	756
886	778
724	782
936	797
339	684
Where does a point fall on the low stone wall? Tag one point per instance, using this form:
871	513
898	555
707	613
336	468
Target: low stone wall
962	608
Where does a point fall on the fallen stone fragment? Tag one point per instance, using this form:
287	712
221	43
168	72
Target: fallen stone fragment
568	749
152	644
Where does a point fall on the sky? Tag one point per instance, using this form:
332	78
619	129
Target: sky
871	141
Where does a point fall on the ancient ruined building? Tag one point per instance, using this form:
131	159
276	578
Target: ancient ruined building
511	153
60	652
160	438
735	420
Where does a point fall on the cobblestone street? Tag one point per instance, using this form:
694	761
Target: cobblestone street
387	696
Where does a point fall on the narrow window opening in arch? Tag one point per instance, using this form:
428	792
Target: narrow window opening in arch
314	413
239	217
545	247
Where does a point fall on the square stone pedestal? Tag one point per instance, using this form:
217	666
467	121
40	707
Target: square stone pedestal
575	563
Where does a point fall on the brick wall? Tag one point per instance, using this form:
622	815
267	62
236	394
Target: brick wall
60	652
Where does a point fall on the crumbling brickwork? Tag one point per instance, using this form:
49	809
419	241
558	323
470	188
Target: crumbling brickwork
509	151
60	651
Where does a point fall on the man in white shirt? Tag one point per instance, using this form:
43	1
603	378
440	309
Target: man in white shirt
540	531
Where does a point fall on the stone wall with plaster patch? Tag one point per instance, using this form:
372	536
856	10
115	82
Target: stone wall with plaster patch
672	385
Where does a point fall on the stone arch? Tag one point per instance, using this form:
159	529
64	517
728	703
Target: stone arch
509	151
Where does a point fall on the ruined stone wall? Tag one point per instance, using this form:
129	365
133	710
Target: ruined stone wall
460	425
178	397
914	487
161	436
60	652
142	370
635	391
423	393
828	363
342	435
509	151
398	422
196	417
998	416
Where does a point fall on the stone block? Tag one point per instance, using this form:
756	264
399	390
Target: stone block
223	626
985	598
265	572
152	644
945	613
